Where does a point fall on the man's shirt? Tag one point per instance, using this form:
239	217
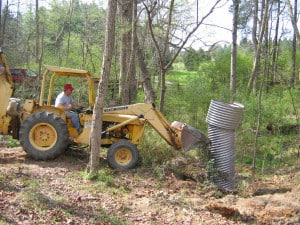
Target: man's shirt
63	99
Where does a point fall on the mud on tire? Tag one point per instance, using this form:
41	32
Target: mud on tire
44	135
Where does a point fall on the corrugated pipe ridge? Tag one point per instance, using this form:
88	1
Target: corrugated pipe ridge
223	119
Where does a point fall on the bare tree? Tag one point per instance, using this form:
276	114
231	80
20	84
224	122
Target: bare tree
256	64
39	41
95	139
64	28
132	70
293	20
258	43
37	30
294	49
130	51
127	75
234	49
149	93
163	43
69	22
275	47
255	71
3	22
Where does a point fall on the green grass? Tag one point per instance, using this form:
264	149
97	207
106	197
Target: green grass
180	77
8	141
178	66
154	150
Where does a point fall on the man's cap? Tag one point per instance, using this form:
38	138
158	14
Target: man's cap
68	86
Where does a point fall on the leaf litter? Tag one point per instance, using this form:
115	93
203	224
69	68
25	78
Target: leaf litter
56	192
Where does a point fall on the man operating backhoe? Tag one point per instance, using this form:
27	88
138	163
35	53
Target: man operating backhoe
64	101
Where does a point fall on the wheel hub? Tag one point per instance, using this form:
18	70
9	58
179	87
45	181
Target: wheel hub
43	136
123	156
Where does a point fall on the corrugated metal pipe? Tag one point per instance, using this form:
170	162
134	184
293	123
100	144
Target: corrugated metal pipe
223	119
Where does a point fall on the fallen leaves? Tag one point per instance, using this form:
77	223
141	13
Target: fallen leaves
56	192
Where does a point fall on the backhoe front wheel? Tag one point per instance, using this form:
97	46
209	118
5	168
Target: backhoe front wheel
123	155
44	135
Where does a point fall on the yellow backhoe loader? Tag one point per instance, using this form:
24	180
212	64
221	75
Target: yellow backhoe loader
45	132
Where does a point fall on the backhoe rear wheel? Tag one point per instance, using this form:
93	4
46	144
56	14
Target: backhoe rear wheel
44	135
123	155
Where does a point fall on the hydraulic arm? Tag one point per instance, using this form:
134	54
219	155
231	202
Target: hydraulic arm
177	134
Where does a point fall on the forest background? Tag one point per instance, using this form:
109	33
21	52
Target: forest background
154	61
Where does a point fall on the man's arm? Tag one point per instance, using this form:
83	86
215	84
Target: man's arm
68	107
65	107
76	104
62	101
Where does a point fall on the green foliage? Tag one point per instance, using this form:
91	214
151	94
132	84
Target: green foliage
211	169
222	64
154	150
273	111
103	175
179	77
196	102
220	71
192	58
71	37
243	70
8	141
275	146
188	98
3	221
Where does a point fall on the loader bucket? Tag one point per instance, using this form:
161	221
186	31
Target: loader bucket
190	136
193	138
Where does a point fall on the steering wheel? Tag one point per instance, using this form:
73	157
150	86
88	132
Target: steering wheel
78	109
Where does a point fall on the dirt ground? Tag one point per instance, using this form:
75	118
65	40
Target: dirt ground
57	192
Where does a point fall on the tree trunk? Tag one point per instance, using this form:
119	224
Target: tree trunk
259	104
149	93
234	50
294	50
266	50
163	89
125	8
95	139
39	41
275	46
255	68
70	15
162	51
132	70
257	48
258	125
162	43
294	22
37	31
256	62
3	22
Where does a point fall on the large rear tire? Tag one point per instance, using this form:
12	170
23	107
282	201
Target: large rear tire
44	135
123	155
